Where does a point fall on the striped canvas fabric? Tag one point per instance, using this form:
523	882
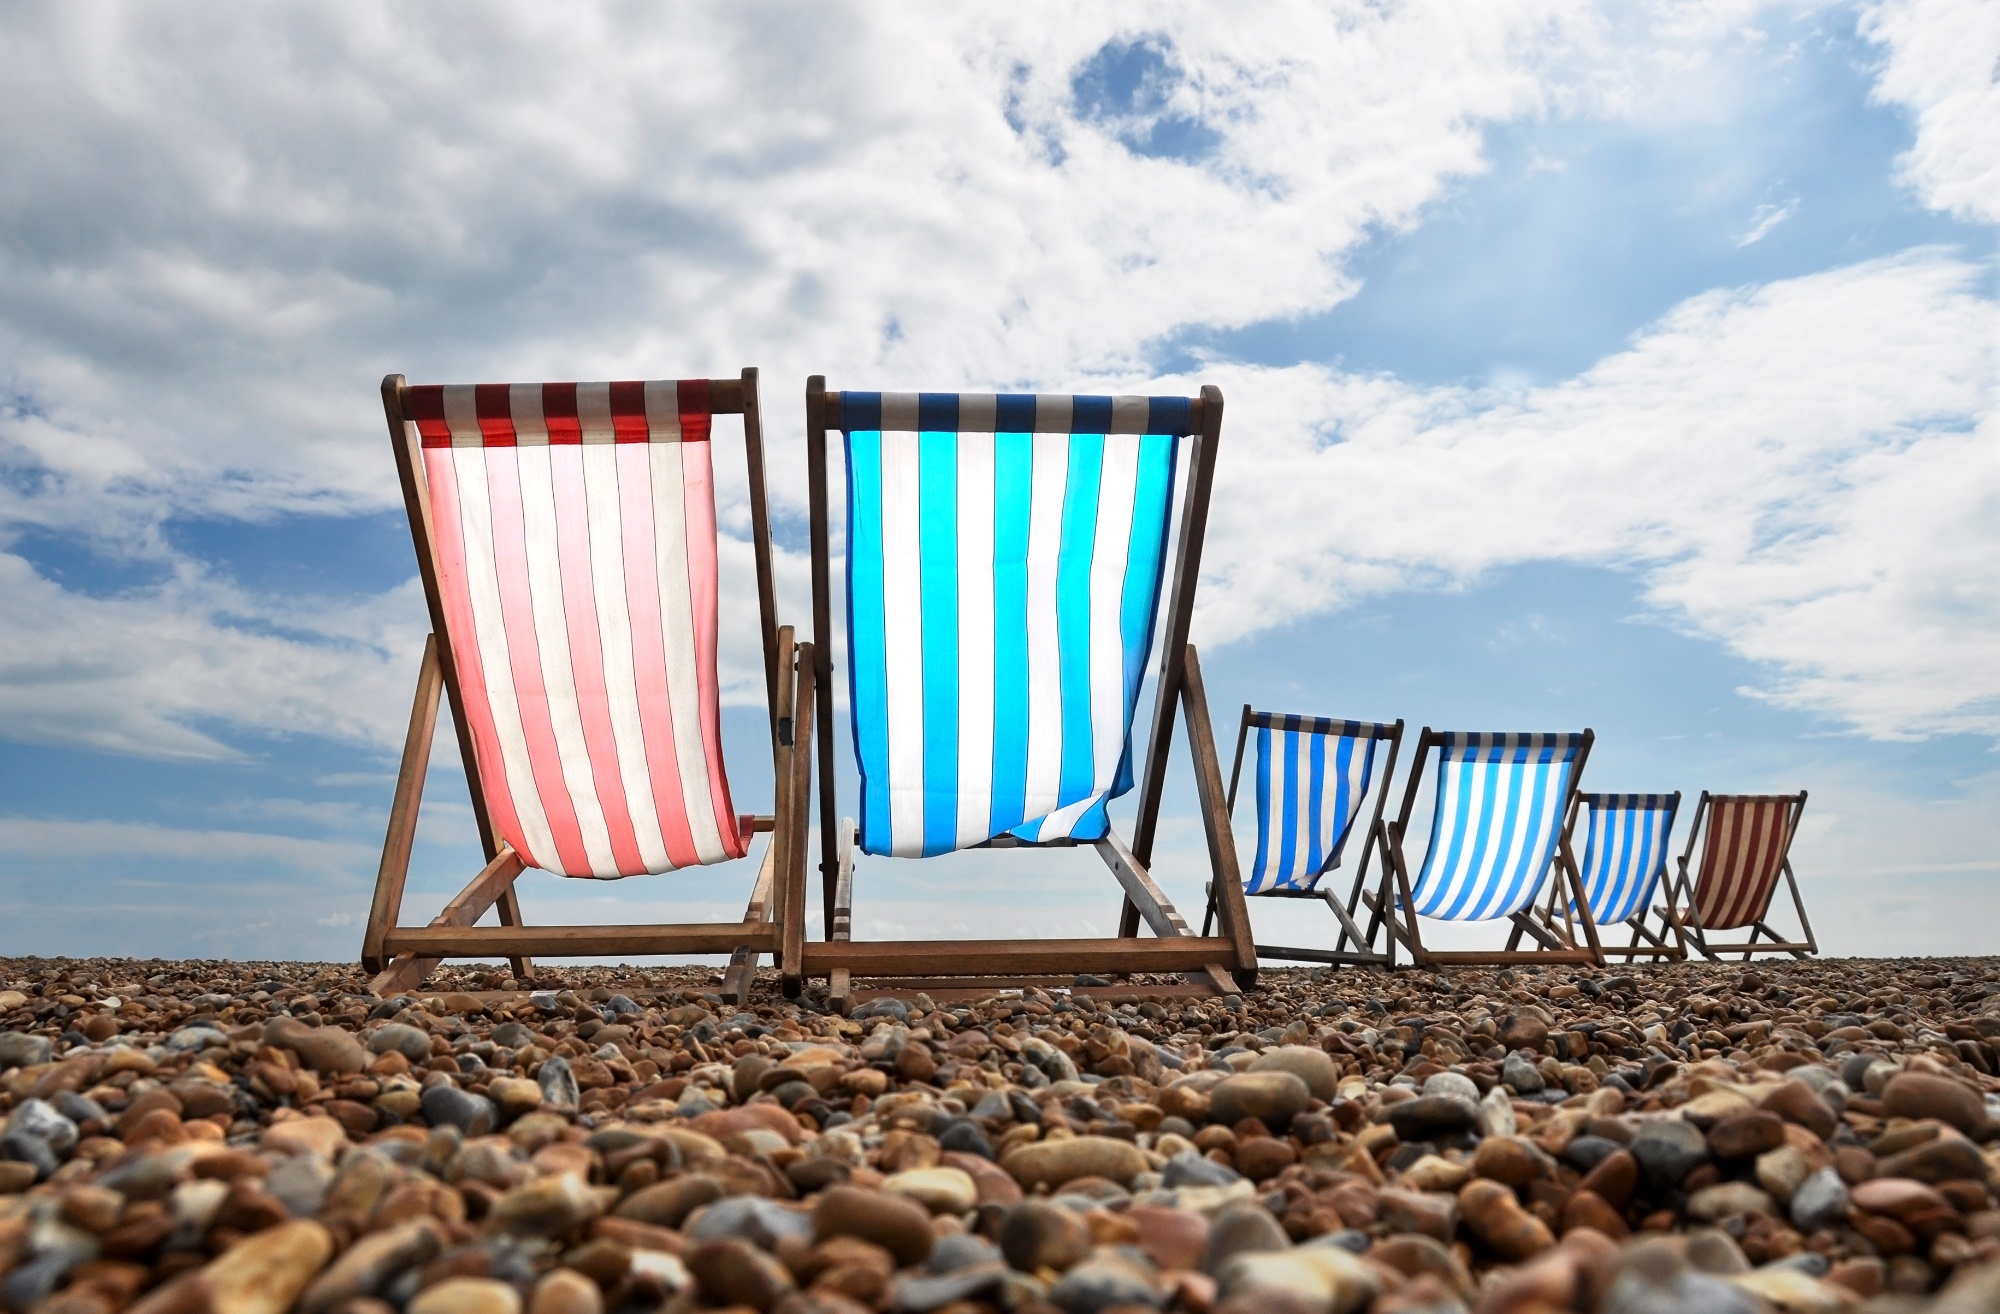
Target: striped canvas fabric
1748	835
1625	852
1500	804
575	538
1312	774
1004	561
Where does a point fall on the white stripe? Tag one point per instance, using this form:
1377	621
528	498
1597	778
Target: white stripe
461	416
1130	414
1117	490
593	412
524	407
538	520
903	639
489	631
975	636
1058	824
663	411
677	642
614	637
1045	509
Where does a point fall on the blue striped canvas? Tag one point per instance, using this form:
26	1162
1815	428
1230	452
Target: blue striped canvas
1312	774
1004	561
1625	852
1500	800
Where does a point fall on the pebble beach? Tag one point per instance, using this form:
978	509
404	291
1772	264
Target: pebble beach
257	1138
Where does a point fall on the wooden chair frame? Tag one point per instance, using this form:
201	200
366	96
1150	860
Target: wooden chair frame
1222	964
1686	922
1646	943
1340	955
400	957
1396	888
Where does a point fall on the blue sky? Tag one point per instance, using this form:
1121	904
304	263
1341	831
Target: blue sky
1629	368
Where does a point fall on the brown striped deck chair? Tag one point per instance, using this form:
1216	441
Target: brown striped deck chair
1745	842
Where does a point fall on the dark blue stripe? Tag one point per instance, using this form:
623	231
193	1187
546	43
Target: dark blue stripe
1013	489
937	522
1079	537
1288	809
1014	412
937	412
1168	415
1090	415
861	412
867	654
1145	573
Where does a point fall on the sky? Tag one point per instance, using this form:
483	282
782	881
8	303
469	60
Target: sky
1622	366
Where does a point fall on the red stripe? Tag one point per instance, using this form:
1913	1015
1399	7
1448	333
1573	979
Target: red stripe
510	559
649	657
699	498
1746	847
559	413
586	654
426	408
697	415
494	404
441	473
628	412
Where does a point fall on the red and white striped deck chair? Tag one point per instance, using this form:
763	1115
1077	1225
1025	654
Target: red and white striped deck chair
565	533
1746	842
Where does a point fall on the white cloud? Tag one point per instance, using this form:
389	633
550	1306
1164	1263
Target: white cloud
1764	219
1944	66
1806	471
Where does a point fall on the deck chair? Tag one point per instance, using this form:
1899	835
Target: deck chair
1496	835
1624	859
1748	847
1313	779
565	534
1005	557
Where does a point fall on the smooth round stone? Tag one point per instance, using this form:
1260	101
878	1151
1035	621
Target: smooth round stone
1104	1283
901	1227
20	1050
1942	1160
1418	1211
1051	1163
1507	1159
1797	1102
1712	1204
448	1106
1921	1095
940	1190
734	1272
1241	1229
1746	1136
39	1120
411	1042
548	1206
514	1096
753	1218
1435	1173
1667	1151
1523	1031
1520	1073
367	1265
1174	1238
513	1035
265	1272
1326	1278
466	1295
1584	1153
558	1084
1432	1115
1416	1256
566	1291
1274	1098
1192	1168
1035	1235
1496	1217
965	1137
1781	1171
667	1203
1315	1067
323	1049
959	1251
1455	1084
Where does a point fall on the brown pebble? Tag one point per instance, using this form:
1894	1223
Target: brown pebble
1746	1135
1614	1179
1920	1095
734	1272
565	1291
898	1226
1496	1218
1589	1209
1507	1159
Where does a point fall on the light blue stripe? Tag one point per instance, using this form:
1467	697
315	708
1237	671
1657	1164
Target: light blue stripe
1152	506
1521	883
1263	865
1634	824
937	522
1468	850
1079	537
1013	489
867	664
1287	745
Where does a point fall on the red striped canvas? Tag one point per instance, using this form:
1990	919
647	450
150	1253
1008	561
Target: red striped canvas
1747	838
574	526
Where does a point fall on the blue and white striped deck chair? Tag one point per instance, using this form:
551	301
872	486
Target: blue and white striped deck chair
1006	556
1624	860
1313	778
1496	836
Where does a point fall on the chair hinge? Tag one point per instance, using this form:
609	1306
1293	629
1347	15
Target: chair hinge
784	732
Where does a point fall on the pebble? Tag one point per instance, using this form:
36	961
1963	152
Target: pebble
1799	1138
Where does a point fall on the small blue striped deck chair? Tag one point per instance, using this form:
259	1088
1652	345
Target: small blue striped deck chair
1624	861
1313	778
1006	557
1497	834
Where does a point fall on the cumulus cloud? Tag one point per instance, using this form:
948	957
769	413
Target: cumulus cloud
1944	66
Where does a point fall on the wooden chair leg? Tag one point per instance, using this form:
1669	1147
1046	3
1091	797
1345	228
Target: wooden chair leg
395	869
520	965
841	928
407	971
742	967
